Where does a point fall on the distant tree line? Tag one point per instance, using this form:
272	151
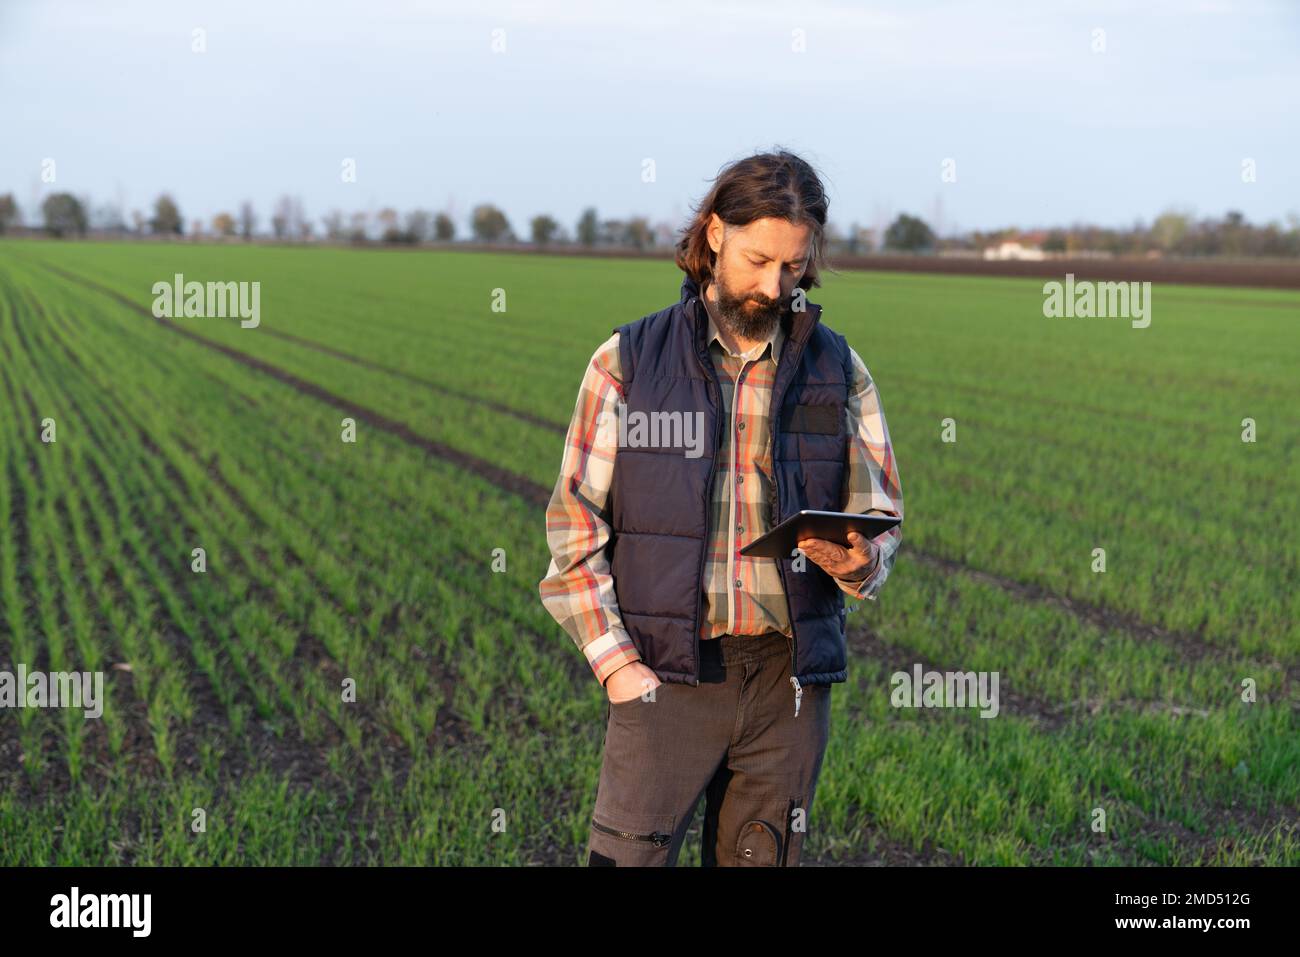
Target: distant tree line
1174	233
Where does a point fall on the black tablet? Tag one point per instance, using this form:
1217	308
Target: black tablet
781	541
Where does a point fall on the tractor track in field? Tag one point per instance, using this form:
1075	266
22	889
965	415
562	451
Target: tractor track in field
1064	405
1195	648
502	478
458	730
526	417
865	641
1192	646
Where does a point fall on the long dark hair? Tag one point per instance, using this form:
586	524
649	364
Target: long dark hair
779	185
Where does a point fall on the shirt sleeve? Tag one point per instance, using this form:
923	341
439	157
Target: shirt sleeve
578	589
871	482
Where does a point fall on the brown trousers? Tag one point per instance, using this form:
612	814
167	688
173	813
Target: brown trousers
733	739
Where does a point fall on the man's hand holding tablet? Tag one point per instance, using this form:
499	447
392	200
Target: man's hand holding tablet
853	563
839	542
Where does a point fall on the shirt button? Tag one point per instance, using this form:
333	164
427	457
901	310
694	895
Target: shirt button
740	480
740	425
737	582
740	528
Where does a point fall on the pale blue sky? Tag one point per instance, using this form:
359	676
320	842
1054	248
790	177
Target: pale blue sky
1043	130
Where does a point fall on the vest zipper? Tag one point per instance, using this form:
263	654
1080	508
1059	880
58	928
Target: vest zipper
774	421
657	838
715	393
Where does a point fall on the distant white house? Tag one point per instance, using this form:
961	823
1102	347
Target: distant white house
1013	249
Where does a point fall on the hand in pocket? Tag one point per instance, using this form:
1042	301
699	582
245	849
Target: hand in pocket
630	682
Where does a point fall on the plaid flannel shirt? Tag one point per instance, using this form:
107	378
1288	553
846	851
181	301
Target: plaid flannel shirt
743	595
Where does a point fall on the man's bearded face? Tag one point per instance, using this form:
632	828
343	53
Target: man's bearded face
750	315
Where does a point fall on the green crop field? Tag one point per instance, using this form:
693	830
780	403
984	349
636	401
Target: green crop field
1162	692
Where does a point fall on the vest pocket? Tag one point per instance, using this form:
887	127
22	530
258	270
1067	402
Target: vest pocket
826	419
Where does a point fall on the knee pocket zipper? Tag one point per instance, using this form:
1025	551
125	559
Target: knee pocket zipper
655	837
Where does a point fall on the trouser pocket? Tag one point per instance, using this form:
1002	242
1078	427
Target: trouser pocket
758	844
774	839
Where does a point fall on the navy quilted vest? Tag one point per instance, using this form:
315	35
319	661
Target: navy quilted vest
660	498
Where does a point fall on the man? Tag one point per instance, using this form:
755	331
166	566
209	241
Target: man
717	667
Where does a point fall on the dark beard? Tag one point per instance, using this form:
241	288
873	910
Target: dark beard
748	322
